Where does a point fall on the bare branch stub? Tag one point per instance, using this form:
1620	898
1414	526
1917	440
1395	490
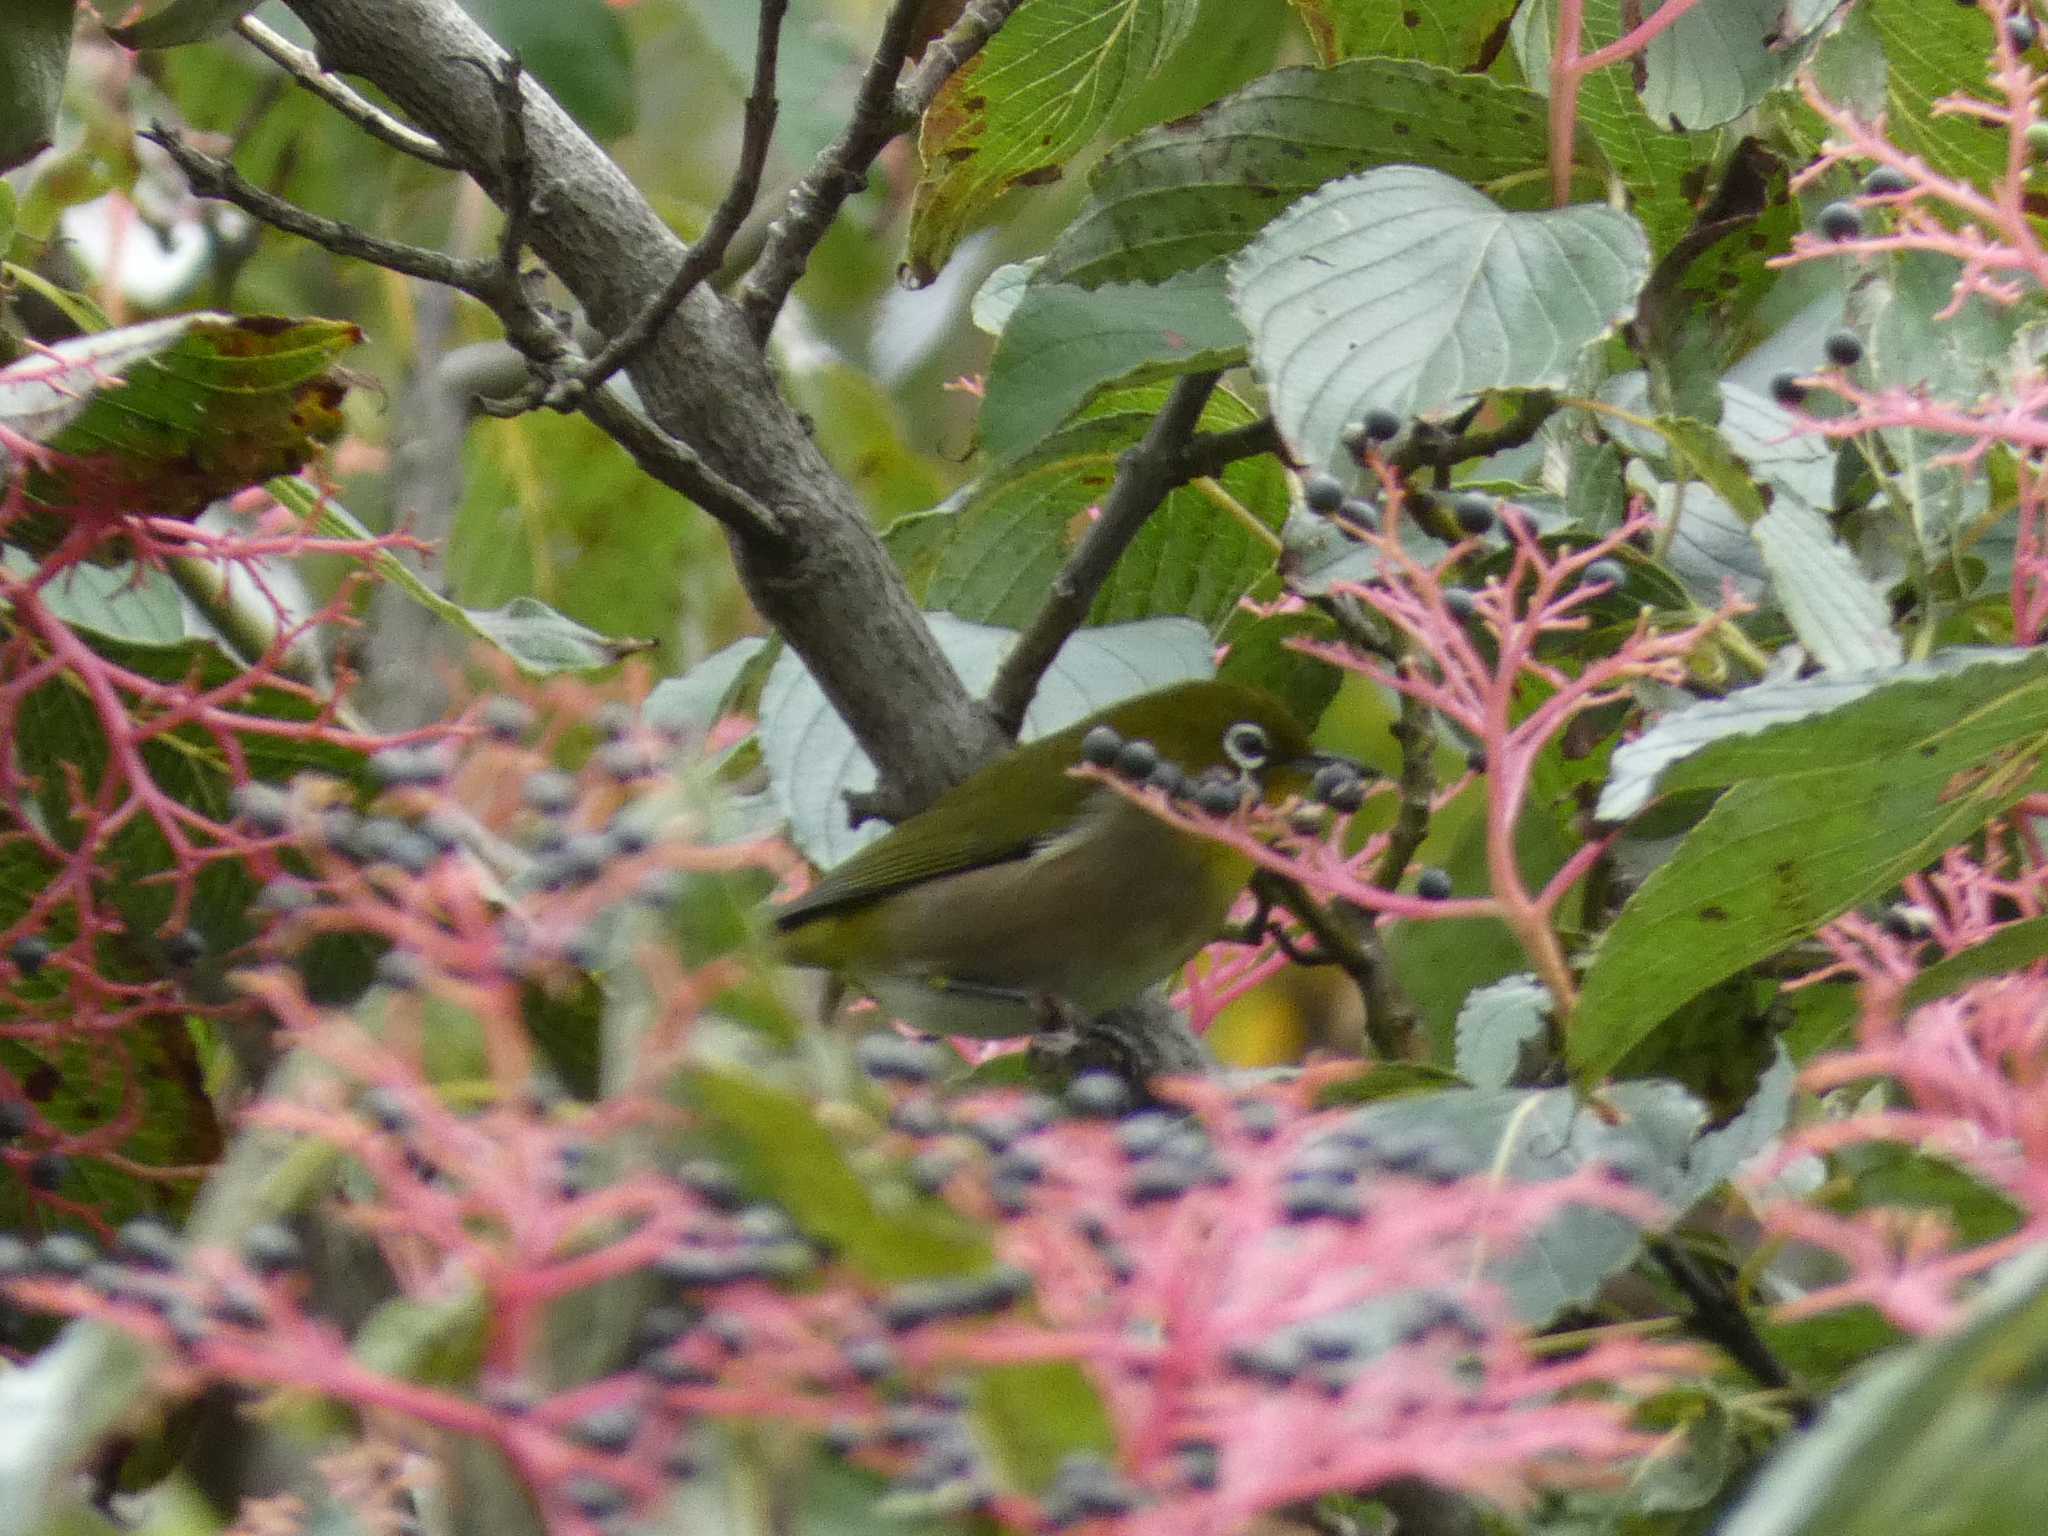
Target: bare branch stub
306	72
882	108
709	249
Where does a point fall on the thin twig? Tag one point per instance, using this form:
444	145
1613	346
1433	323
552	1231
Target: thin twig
1718	1316
305	70
1420	451
1145	475
949	54
529	327
1347	938
839	171
881	110
1208	454
708	251
214	178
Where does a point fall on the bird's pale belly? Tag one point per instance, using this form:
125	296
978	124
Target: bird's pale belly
1093	918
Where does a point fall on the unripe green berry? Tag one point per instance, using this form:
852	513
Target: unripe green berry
1460	603
1361	513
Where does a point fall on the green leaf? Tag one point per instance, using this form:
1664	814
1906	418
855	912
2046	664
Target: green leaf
1825	813
541	641
1717	61
35	47
1752	732
1451	32
1063	343
695	701
1944	1436
1700	452
1648	1131
118	601
782	1152
992	554
1404	289
1494	1025
1033	1414
182	411
1179	196
1021	107
182	21
1934	53
1836	611
813	760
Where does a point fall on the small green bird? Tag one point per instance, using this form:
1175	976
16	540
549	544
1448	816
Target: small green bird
1026	884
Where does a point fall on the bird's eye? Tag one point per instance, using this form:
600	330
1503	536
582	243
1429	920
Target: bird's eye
1246	745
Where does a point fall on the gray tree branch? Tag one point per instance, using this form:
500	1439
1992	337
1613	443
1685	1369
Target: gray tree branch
827	585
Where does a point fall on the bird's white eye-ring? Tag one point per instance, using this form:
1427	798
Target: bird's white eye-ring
1247	746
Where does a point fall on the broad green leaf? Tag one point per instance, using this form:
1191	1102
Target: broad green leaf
180	411
119	601
1836	611
1943	1437
1000	294
1934	53
1179	196
35	47
813	760
1960	358
783	1152
1450	32
1755	732
1033	1414
1702	454
992	555
1495	1024
1063	343
694	701
1018	111
1859	798
1646	1130
1716	62
181	21
532	634
1407	290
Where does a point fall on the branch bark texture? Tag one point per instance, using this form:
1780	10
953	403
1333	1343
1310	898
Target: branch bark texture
830	589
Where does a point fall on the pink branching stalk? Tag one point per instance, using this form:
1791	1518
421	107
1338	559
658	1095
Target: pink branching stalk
1991	233
1960	1078
1479	660
1272	1301
123	794
1569	69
